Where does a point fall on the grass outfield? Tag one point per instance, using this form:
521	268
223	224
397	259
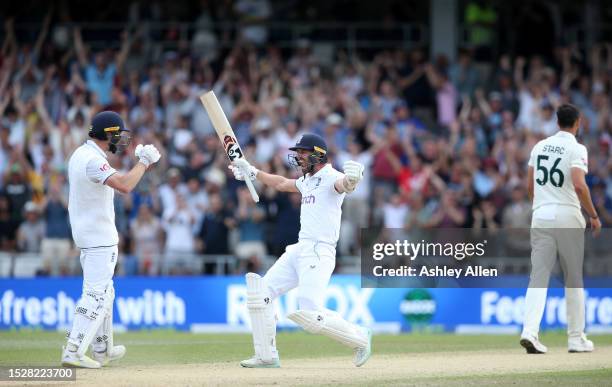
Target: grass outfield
422	359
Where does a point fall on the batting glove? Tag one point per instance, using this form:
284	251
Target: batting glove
242	168
353	173
147	154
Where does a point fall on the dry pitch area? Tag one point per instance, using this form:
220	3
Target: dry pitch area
168	358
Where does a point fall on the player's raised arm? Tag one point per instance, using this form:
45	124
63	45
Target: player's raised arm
353	173
125	183
241	167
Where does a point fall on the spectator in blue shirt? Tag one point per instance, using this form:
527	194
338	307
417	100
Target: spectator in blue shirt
99	73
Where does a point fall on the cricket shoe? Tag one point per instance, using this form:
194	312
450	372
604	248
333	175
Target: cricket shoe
532	344
115	353
363	354
71	359
579	344
256	362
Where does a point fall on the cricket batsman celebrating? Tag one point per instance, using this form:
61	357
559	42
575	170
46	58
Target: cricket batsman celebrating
92	217
557	169
308	264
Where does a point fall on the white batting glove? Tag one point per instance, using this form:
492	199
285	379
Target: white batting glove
147	154
242	168
353	173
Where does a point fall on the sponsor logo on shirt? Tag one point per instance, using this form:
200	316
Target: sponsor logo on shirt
310	199
105	167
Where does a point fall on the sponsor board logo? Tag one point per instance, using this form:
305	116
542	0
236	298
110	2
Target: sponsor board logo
350	301
418	306
152	308
496	308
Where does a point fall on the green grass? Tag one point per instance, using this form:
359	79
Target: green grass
601	377
168	347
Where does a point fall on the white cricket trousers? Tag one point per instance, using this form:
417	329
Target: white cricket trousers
98	265
307	265
556	229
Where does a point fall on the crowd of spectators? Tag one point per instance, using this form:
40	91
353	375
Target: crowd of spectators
445	144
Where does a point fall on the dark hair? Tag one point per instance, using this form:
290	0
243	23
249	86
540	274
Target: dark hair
567	115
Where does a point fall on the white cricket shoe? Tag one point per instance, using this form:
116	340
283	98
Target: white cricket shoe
115	353
256	362
363	354
580	344
532	344
71	359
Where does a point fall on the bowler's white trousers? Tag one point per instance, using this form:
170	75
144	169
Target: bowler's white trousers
556	229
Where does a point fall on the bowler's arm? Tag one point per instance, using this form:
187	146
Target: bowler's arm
583	193
279	183
530	183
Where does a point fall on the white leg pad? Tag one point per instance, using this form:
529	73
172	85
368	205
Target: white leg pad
263	321
330	324
90	306
108	321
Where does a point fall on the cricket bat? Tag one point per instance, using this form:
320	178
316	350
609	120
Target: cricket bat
226	134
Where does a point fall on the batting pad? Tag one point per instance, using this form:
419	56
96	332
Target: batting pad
263	323
91	306
105	332
330	324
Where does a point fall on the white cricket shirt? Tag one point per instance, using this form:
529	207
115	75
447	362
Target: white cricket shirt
90	203
321	208
552	160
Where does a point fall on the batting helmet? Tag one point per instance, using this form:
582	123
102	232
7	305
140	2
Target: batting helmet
313	143
108	126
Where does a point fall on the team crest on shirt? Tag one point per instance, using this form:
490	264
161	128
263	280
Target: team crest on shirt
318	183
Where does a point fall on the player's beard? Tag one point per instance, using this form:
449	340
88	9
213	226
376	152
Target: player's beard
307	166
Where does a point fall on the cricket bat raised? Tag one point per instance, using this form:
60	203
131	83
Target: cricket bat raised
226	134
